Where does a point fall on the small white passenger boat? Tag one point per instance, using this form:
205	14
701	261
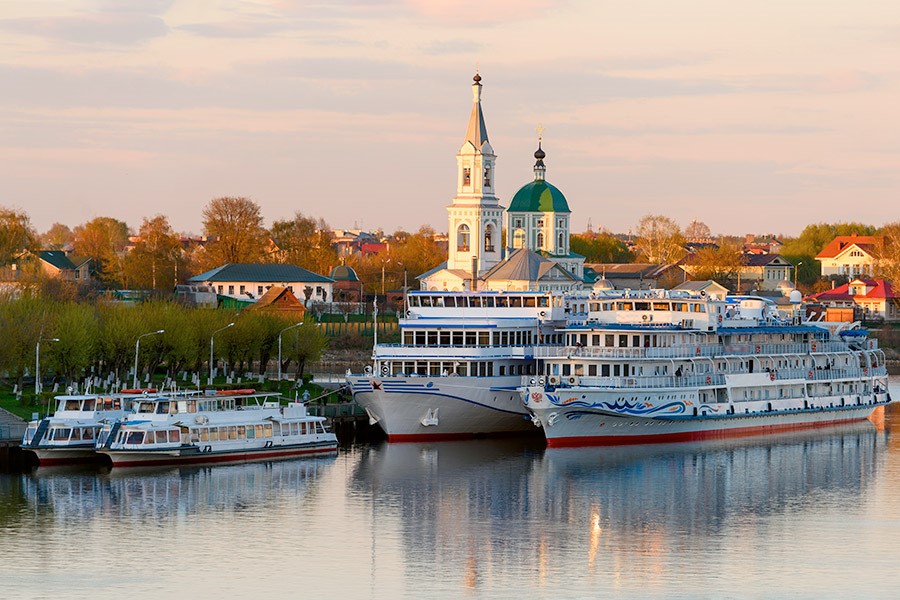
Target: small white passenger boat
70	434
231	427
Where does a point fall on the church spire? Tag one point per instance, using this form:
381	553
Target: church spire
477	130
539	168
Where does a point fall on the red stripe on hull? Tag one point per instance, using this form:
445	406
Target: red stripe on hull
689	436
448	437
243	457
77	460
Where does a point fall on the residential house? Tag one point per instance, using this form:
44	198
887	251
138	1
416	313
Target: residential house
875	298
852	256
763	271
249	281
280	300
635	276
714	290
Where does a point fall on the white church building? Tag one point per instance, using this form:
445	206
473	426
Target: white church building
538	256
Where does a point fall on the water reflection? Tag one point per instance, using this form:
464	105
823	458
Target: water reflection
511	512
74	494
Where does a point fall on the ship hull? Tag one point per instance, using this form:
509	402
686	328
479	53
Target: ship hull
598	420
63	456
415	409
196	455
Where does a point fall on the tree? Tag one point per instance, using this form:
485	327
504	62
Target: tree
720	264
815	237
16	234
660	240
305	242
887	253
698	231
600	248
57	237
156	262
236	224
77	330
104	240
305	346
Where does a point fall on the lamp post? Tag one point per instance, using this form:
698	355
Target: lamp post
211	349
137	348
279	345
383	263
796	268
37	364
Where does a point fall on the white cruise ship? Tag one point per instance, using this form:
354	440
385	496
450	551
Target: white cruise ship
657	366
462	358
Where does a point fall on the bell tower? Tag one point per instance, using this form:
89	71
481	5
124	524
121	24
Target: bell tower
475	215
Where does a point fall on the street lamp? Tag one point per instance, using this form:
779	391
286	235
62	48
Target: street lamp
211	350
279	345
383	263
137	348
796	268
37	364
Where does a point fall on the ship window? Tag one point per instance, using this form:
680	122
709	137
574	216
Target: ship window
502	370
135	437
161	437
88	405
623	341
72	405
204	434
616	370
174	435
566	369
592	370
232	433
610	340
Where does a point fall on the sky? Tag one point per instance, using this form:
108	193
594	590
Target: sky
751	117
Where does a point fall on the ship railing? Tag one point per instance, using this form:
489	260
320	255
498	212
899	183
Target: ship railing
687	351
661	381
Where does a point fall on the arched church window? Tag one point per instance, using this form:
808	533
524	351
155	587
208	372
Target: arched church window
561	241
487	177
519	238
540	239
467	176
489	238
462	238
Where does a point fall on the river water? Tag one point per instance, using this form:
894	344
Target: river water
805	515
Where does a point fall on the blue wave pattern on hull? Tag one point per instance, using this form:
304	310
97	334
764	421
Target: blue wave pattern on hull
623	406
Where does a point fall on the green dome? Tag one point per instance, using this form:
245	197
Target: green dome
539	196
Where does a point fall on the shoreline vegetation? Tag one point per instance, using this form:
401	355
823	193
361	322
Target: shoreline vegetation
99	343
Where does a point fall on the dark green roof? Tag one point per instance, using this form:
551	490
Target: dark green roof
539	196
270	273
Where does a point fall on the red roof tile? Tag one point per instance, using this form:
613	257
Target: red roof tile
842	242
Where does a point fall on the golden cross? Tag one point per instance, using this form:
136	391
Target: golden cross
540	132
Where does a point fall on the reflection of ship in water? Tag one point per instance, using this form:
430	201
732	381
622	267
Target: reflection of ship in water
501	510
87	494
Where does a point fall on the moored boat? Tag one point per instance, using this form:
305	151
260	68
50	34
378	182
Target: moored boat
224	428
69	435
653	366
461	360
